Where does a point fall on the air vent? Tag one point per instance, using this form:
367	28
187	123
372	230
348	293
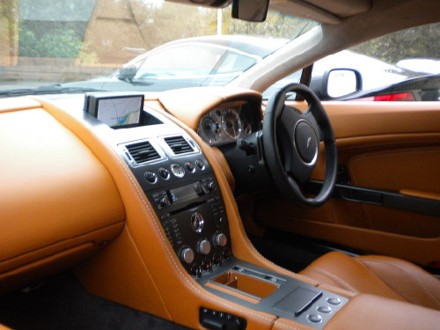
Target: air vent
142	152
178	145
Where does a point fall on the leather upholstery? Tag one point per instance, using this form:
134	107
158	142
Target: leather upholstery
377	275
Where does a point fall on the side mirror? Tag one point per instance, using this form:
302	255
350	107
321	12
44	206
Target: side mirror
127	72
342	82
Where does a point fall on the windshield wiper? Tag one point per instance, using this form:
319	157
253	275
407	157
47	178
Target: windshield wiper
50	89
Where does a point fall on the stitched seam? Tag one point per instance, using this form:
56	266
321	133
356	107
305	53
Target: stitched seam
337	279
414	279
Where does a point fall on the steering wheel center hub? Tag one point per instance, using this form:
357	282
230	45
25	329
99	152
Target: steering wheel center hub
306	142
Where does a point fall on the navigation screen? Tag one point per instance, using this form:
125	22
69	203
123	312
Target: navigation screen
115	110
121	111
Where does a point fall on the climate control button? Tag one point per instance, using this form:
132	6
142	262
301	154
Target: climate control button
187	255
204	246
164	173
220	240
150	177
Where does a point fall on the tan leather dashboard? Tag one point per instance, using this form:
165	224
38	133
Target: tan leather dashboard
68	193
56	196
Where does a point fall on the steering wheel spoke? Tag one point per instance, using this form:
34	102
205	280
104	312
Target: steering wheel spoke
292	142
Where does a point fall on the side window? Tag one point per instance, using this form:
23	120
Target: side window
401	66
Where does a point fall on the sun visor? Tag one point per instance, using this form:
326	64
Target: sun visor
324	11
205	3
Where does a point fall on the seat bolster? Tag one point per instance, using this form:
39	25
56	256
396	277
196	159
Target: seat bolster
410	281
348	273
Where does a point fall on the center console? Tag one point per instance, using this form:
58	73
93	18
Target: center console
184	193
181	185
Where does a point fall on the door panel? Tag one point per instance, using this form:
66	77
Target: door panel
386	146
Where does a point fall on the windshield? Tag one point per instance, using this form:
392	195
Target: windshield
139	45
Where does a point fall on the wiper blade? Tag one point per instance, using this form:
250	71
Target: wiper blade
135	82
50	89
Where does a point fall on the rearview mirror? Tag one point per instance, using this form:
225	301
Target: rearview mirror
342	82
250	10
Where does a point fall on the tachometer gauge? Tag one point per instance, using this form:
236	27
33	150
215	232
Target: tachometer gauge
209	129
231	123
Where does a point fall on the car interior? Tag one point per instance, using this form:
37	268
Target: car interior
211	208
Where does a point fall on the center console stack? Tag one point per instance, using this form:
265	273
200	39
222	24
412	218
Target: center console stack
179	182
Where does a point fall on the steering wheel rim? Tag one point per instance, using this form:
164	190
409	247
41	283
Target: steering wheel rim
291	141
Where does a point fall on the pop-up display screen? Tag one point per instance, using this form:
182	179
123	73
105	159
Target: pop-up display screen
116	111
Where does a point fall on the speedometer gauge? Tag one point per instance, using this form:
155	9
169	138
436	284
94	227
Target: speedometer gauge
231	123
209	129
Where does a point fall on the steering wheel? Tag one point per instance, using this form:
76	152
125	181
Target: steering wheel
291	141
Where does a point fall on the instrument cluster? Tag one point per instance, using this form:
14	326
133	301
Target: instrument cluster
225	125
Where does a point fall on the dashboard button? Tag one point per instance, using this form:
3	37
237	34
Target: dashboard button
334	301
315	318
220	239
204	246
164	173
150	177
178	170
187	255
200	164
190	167
324	309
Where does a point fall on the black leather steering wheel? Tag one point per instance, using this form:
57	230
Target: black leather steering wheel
291	142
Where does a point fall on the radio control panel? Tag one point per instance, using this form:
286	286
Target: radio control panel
186	197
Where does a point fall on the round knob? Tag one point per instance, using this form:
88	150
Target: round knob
220	239
178	170
187	255
190	167
204	246
150	177
164	173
